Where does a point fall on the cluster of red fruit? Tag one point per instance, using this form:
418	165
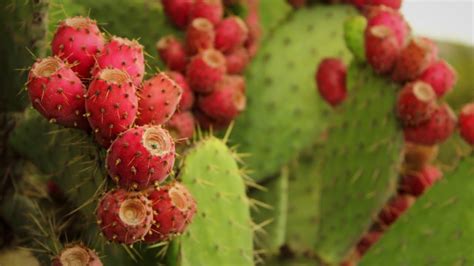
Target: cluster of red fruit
209	62
395	4
126	115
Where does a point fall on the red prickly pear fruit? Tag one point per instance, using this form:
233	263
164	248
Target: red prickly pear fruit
381	48
124	216
111	104
212	10
414	59
123	54
395	4
416	156
172	52
367	241
416	103
226	101
178	11
394	208
231	33
78	40
434	131
174	208
141	157
159	98
205	70
57	93
77	254
255	32
187	98
331	80
206	122
237	60
297	3
441	76
416	183
200	35
181	125
383	16
466	123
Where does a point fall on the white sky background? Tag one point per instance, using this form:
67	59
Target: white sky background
441	19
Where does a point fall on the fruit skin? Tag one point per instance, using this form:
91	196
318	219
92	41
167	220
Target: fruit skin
200	35
331	80
416	103
206	122
172	52
77	253
178	11
390	18
213	10
187	98
434	131
414	59
57	93
237	60
441	76
123	54
205	70
255	29
181	125
226	101
78	44
173	210
231	33
113	216
159	98
132	161
416	183
367	241
395	207
466	123
111	104
395	4
381	48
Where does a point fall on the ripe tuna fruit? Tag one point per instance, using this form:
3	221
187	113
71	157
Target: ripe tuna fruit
237	60
187	98
206	122
414	59
416	156
205	70
369	239
212	10
124	217
441	76
173	210
123	54
78	255
111	104
395	207
466	123
159	98
200	35
381	48
395	4
181	125
78	40
434	131
172	52
140	157
416	103
178	11
57	92
331	80
390	18
416	183
231	33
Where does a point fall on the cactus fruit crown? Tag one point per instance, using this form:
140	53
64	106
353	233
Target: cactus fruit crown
47	67
157	141
114	76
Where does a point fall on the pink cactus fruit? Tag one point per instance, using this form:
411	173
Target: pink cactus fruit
78	40
331	80
187	98
111	104
141	157
237	60
124	217
390	18
415	183
200	35
76	254
205	70
172	52
232	32
466	123
181	125
178	11
122	54
159	98
206	122
394	208
381	48
416	103
173	208
441	76
367	241
212	10
395	4
57	93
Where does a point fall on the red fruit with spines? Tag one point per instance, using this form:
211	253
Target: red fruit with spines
466	123
200	35
416	103
394	208
76	254
414	59
383	16
205	70
57	93
395	4
178	11
381	48
206	122
78	40
122	54
124	216
172	52
111	104
237	60
367	241
434	131
181	125
441	76
415	183
212	10
187	98
141	157
174	208
226	101
331	80
231	33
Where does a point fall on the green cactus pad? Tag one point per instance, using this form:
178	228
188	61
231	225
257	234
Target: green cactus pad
221	231
284	112
360	162
354	29
273	13
437	230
